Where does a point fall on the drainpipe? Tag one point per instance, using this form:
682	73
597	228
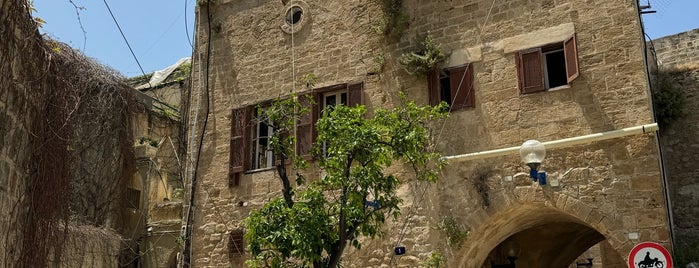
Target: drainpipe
642	129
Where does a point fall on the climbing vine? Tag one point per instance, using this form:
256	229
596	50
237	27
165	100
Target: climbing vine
79	141
668	98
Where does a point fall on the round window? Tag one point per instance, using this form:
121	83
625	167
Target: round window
296	16
293	15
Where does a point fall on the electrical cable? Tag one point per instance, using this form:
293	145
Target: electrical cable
186	26
124	36
188	240
439	136
661	161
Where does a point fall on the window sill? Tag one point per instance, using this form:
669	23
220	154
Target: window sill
258	170
559	87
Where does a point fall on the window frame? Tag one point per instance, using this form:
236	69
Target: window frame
532	69
242	122
255	138
306	134
461	79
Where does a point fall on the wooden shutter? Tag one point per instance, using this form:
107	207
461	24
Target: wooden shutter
530	71
571	54
433	88
461	87
236	242
354	94
240	132
304	127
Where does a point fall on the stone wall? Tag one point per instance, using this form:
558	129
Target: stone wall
608	191
678	59
21	100
35	157
678	51
89	246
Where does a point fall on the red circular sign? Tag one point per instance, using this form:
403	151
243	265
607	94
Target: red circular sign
649	255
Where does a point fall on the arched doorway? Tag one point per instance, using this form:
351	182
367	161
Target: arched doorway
554	245
546	236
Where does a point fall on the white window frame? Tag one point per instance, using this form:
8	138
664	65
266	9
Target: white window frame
256	163
544	61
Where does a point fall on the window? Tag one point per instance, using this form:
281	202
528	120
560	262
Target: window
346	94
133	198
250	134
453	86
236	242
330	99
547	67
262	155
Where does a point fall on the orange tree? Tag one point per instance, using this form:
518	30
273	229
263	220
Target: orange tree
312	223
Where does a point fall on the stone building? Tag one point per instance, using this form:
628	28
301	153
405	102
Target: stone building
517	70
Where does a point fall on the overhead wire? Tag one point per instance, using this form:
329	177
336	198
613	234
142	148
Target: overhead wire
124	36
186	26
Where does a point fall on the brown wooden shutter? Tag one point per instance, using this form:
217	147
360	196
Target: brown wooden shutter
236	242
354	94
304	127
433	90
530	70
461	82
240	132
571	54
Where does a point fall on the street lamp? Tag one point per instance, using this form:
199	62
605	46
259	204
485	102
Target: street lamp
532	153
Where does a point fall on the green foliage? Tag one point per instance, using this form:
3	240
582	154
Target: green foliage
453	230
312	224
668	99
685	253
435	260
149	141
424	58
181	73
177	193
32	9
395	20
309	80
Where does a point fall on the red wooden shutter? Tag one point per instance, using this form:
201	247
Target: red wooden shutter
240	119
461	83
433	90
571	54
530	70
354	94
304	127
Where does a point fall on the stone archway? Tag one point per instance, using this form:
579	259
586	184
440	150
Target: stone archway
548	235
554	244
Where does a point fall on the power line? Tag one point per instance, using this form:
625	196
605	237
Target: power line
124	36
186	27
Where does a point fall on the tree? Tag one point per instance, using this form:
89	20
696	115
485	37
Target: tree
311	225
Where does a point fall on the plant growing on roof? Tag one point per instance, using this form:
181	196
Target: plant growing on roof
426	56
312	224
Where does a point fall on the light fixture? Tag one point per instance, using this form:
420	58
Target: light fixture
511	248
532	153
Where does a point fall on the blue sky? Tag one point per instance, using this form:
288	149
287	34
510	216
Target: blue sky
156	28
